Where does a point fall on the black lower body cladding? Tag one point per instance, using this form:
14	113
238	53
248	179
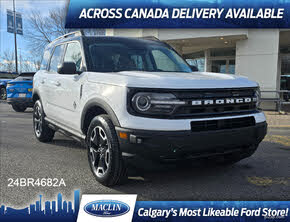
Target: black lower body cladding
170	146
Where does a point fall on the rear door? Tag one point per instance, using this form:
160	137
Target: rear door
52	85
40	78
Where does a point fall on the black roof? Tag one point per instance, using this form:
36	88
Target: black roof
125	40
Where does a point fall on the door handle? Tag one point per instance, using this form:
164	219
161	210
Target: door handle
57	84
42	81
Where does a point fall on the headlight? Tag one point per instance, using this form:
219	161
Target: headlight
9	85
155	103
257	97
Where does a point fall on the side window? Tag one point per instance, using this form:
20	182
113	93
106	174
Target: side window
138	60
45	60
162	61
73	54
56	58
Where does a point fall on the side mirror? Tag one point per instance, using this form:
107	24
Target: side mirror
67	68
194	68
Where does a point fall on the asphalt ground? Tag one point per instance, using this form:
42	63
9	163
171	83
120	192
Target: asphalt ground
264	176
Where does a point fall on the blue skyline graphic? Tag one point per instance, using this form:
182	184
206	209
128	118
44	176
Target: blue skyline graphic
59	210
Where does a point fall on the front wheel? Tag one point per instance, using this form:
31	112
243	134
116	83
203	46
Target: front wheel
104	154
18	108
41	130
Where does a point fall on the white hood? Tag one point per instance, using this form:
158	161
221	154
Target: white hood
172	80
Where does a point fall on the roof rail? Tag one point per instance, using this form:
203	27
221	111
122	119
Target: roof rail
76	33
153	38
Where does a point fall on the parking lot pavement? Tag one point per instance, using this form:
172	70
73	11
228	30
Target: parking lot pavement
264	176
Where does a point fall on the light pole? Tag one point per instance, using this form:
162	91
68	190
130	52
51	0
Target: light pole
15	37
20	62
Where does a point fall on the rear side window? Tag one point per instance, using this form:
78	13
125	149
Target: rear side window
45	60
73	54
56	58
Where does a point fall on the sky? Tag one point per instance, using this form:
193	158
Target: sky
24	7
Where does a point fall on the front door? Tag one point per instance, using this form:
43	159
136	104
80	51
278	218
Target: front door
68	95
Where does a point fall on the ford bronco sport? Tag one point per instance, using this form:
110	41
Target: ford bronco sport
138	100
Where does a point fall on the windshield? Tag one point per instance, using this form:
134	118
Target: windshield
118	57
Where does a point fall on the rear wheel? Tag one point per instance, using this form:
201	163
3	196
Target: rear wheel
104	154
41	130
18	108
3	93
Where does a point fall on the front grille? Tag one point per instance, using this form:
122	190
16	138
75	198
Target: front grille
209	125
190	110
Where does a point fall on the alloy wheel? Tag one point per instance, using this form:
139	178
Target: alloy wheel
37	121
99	151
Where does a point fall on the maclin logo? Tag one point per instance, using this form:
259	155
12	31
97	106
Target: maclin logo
107	208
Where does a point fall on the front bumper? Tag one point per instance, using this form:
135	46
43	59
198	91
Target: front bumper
20	101
167	146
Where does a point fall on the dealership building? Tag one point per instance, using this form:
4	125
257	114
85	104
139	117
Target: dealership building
262	55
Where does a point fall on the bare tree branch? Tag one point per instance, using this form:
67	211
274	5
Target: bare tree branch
43	29
8	61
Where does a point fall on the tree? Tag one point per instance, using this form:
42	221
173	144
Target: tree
42	29
25	64
7	61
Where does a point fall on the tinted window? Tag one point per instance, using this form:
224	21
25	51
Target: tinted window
45	60
25	76
56	58
73	54
117	57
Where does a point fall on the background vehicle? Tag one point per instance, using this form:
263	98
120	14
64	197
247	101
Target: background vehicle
4	79
137	101
19	92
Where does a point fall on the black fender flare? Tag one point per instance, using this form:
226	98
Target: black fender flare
34	93
102	104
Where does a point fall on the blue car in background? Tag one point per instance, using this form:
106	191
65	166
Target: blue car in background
19	92
5	77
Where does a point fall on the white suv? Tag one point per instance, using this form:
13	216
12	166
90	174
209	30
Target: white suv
136	101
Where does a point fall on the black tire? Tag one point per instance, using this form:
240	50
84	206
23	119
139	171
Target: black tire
233	158
104	155
41	130
3	93
19	109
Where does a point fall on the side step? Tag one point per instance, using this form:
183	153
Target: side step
65	130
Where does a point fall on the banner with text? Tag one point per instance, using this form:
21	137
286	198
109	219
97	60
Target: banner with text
178	14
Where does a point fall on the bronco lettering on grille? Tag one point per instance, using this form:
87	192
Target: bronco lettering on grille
223	101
